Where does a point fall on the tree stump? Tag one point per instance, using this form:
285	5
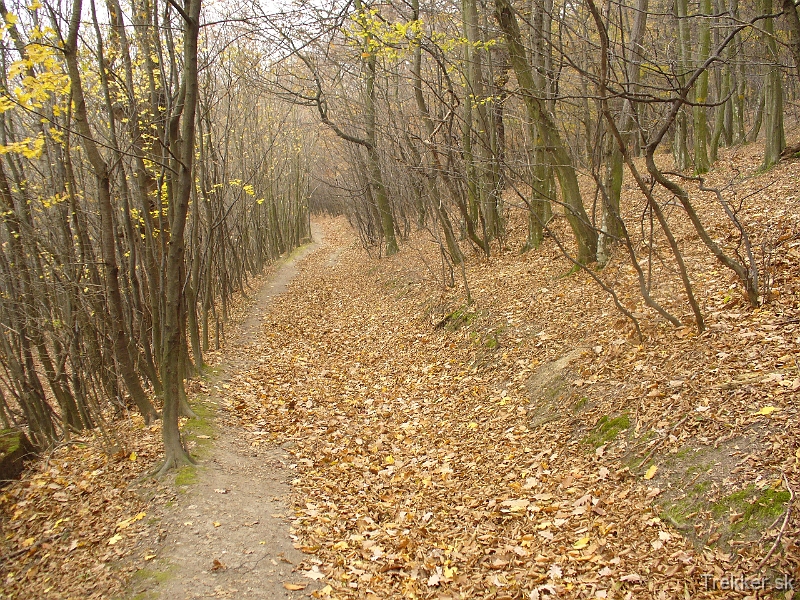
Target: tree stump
14	449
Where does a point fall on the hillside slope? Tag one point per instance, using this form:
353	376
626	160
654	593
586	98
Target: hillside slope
525	446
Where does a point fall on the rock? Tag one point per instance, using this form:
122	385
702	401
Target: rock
14	449
549	388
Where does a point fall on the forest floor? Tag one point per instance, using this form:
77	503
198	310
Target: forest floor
397	443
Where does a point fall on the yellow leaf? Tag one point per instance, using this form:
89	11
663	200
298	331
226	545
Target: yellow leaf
343	545
767	410
114	539
389	460
472	425
133	456
217	523
295	586
581	543
28	543
651	472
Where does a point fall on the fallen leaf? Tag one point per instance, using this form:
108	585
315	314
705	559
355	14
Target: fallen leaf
767	410
314	573
218	565
651	472
114	539
516	505
295	586
581	543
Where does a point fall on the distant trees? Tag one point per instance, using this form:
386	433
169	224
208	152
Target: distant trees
479	105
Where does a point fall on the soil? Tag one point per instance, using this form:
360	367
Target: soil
227	535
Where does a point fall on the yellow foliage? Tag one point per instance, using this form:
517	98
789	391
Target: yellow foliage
29	147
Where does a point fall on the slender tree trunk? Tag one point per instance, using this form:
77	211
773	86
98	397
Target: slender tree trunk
680	148
793	27
701	160
174	338
774	136
585	234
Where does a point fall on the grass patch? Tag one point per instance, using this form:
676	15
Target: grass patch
681	454
754	506
144	581
607	429
9	441
186	475
680	513
459	318
697	498
580	404
570	273
198	432
209	371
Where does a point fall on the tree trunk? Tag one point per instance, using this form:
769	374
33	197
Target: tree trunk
793	27
774	136
701	160
680	148
585	234
174	337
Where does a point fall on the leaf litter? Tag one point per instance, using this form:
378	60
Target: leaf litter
418	469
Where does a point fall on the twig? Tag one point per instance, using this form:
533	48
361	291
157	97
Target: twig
783	527
4	560
750	378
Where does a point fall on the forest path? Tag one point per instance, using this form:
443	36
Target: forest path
416	461
227	536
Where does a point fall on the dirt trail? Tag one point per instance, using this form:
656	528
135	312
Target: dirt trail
228	536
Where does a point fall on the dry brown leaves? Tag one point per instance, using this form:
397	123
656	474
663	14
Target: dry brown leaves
71	526
417	471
